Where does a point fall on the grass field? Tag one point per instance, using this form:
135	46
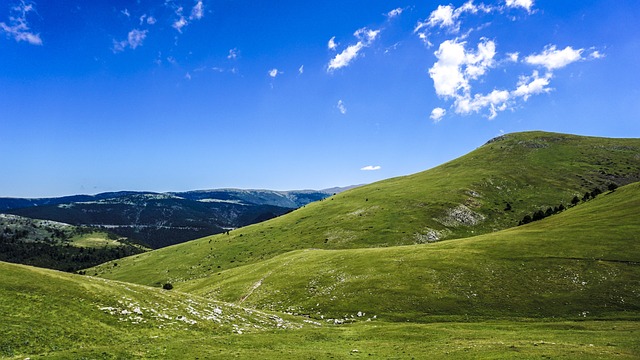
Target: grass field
359	276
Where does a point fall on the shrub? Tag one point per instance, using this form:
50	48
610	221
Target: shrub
167	286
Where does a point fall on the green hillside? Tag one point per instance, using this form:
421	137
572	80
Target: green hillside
489	189
51	315
54	314
582	263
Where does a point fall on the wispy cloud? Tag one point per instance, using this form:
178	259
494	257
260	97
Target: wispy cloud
197	13
371	168
395	12
365	38
274	72
18	27
301	69
233	54
341	107
134	39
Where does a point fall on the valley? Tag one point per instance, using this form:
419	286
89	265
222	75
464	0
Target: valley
437	263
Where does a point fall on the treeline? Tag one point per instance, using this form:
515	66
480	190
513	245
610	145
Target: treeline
61	257
541	214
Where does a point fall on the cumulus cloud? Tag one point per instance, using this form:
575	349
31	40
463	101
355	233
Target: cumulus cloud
365	38
134	39
459	65
456	66
526	4
532	85
331	45
371	168
233	54
18	27
495	101
437	114
448	17
341	107
552	58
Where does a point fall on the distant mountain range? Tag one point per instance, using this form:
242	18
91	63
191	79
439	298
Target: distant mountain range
162	219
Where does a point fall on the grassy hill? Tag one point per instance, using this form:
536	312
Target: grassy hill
51	315
581	263
67	316
489	189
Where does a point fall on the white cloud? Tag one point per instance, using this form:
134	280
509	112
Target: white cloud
341	107
134	39
437	114
18	27
595	54
513	57
233	54
371	168
456	66
180	23
526	4
301	69
344	58
395	12
366	35
126	13
496	101
448	17
443	16
552	58
365	39
532	85
331	45
274	72
198	11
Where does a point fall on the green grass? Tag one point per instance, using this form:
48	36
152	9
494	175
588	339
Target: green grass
582	263
45	312
96	240
531	171
52	315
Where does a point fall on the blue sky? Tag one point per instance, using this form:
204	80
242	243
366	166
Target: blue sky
194	94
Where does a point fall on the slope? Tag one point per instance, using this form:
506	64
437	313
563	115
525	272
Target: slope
60	315
489	189
582	263
51	315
